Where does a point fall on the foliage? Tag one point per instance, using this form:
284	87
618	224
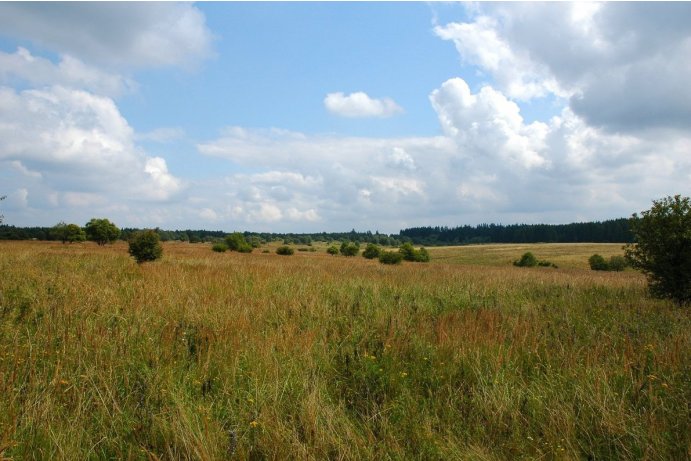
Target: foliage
409	253
101	231
285	250
145	246
390	257
236	242
527	260
68	233
350	248
598	263
332	250
663	248
2	197
371	251
219	247
617	263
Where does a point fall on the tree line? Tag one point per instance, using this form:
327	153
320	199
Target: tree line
611	231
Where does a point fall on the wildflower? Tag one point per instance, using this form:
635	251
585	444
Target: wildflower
403	374
665	385
652	377
254	424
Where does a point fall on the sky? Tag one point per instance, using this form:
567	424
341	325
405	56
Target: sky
310	117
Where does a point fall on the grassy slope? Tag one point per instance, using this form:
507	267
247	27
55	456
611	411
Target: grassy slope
311	356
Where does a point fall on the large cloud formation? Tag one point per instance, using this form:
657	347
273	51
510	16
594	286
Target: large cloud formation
617	134
65	148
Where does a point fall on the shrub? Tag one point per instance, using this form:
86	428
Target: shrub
371	251
409	253
236	242
284	250
527	260
390	257
663	248
350	248
617	263
220	247
598	263
101	231
145	246
332	250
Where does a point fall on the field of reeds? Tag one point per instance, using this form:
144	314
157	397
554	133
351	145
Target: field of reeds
209	356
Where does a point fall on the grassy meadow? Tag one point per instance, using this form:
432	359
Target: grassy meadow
212	356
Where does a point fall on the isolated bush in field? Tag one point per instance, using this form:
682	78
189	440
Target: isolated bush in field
371	251
101	231
220	247
332	250
663	248
617	263
68	233
284	250
409	253
598	263
390	257
145	246
527	260
350	248
236	242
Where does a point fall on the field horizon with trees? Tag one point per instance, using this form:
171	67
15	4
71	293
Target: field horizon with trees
243	348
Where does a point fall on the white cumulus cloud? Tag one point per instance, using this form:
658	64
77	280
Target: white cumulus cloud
359	104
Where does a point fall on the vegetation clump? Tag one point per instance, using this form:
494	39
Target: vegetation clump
409	253
68	233
529	260
332	250
350	248
372	251
663	248
284	250
219	247
390	257
236	242
101	231
145	246
615	263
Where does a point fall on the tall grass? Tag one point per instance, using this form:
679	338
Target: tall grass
255	356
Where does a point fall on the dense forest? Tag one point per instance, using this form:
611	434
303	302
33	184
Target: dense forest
612	231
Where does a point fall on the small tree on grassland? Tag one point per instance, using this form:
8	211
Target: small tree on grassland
350	248
145	246
68	233
663	248
101	231
236	242
371	251
284	250
332	250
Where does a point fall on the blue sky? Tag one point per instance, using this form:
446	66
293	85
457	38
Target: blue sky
331	116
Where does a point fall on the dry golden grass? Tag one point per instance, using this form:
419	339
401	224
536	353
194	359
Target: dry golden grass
259	356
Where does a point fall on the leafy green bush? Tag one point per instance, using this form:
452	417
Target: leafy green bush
598	263
409	253
220	247
663	248
527	260
236	242
332	250
371	251
390	257
350	248
284	250
145	246
617	263
101	231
